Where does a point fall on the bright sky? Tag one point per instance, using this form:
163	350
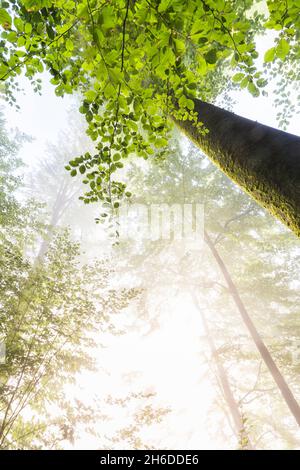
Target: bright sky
41	117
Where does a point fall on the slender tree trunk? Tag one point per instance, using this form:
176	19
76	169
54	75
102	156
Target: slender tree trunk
263	350
263	161
60	205
47	238
234	409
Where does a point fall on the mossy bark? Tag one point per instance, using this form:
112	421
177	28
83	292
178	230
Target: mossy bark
263	161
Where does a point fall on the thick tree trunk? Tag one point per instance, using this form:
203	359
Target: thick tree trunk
287	394
263	161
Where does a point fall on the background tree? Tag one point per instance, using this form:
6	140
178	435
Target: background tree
62	193
263	269
49	315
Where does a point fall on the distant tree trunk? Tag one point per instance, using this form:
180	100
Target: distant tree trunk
233	406
263	350
60	205
263	161
47	238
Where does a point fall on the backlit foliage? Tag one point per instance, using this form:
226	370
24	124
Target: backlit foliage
135	62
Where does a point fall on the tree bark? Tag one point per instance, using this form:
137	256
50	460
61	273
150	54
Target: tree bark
286	393
263	161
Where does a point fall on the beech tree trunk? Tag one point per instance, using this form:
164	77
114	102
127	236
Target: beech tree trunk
263	161
286	392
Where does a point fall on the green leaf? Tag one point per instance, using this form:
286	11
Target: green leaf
21	41
19	24
179	46
253	89
202	67
90	95
12	37
73	173
196	27
89	116
211	56
261	82
238	77
28	28
5	19
184	102
69	45
82	169
3	69
108	16
282	49
168	57
164	5
244	82
270	55
132	125
109	91
159	143
82	11
190	104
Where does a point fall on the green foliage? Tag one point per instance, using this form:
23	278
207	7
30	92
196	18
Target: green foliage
47	315
10	215
280	51
136	63
282	60
270	54
5	19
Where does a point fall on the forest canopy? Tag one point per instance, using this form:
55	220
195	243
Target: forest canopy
137	63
